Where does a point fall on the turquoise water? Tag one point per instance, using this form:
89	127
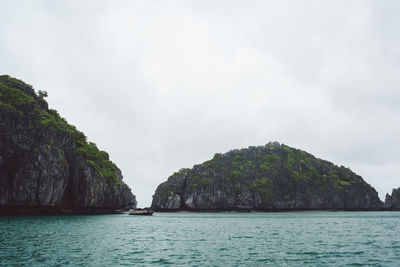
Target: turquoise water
203	239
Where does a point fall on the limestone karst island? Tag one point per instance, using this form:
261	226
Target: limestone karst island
49	166
266	178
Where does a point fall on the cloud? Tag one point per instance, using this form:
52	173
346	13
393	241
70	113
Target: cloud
165	85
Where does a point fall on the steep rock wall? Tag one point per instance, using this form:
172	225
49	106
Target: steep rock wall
43	161
393	201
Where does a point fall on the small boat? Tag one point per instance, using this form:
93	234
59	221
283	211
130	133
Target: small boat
145	211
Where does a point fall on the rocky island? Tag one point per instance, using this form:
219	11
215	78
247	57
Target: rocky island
47	165
265	178
392	202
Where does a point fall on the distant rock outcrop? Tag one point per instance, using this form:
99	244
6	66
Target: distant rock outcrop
47	165
393	201
270	177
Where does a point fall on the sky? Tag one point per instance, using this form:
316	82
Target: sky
164	85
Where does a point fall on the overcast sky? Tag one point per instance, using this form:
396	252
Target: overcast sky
163	85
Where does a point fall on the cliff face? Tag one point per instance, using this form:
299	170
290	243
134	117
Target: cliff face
45	163
393	201
270	177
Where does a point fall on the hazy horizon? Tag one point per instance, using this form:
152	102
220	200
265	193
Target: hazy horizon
165	85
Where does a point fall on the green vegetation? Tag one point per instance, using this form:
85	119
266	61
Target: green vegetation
99	160
42	94
257	169
217	156
263	186
302	167
235	175
13	82
270	164
14	99
20	98
180	172
202	180
172	189
206	181
270	177
210	164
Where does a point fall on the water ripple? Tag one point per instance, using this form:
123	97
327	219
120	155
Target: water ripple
198	239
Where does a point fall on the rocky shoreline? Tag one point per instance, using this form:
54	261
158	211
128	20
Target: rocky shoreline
278	210
28	211
33	211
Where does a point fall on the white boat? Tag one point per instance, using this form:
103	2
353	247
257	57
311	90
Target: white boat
145	211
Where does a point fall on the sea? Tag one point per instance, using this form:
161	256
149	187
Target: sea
203	239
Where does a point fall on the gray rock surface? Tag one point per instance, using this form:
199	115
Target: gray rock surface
393	201
270	177
40	166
